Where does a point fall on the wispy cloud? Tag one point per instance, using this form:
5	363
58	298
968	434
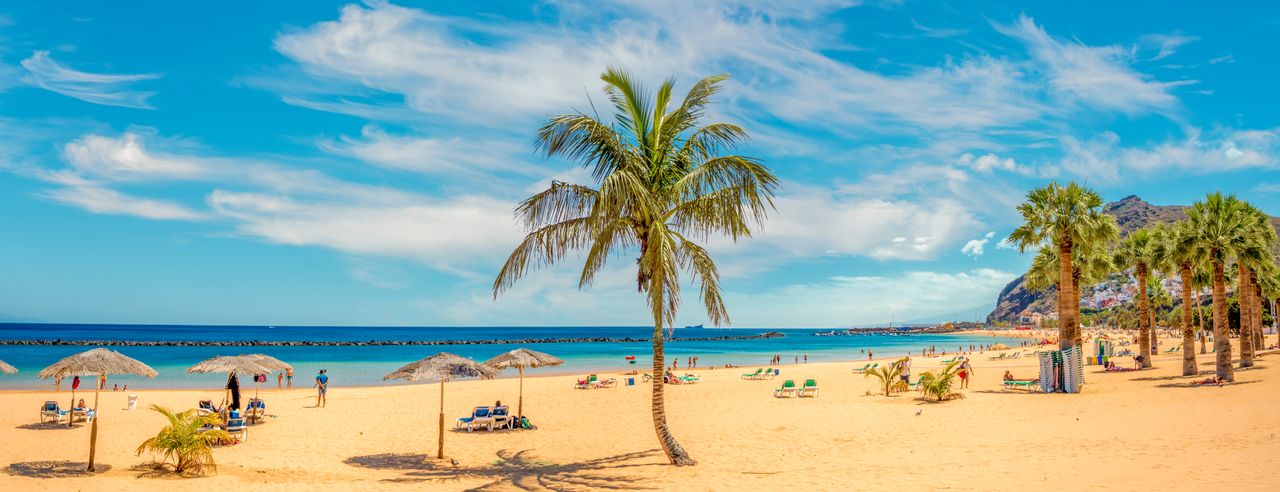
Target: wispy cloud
98	88
975	247
1165	44
1095	76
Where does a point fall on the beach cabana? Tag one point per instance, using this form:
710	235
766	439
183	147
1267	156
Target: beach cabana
443	367
521	358
98	362
253	364
7	369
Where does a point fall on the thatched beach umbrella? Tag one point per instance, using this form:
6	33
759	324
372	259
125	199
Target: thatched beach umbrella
243	364
98	362
521	358
999	346
7	369
442	366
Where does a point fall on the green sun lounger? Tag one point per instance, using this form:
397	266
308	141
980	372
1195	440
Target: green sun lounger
1027	385
787	390
863	368
753	375
810	389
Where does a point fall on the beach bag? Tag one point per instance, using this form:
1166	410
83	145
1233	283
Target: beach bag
75	383
525	424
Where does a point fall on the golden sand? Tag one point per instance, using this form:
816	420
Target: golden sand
1137	430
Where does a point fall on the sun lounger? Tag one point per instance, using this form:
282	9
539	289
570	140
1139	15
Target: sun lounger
477	412
235	426
1027	385
1001	357
206	407
1015	355
81	414
809	390
51	412
604	383
787	390
862	369
500	418
753	375
255	410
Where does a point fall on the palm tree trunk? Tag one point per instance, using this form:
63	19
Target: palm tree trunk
1221	338
1077	337
1155	345
1144	317
1204	337
675	453
1242	299
440	446
1258	342
1188	335
1068	323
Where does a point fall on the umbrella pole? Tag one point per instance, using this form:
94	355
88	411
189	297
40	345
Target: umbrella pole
520	402
93	434
256	384
440	450
71	410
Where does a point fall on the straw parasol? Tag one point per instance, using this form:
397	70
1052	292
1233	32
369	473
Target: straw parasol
521	358
98	362
442	366
243	364
7	369
999	346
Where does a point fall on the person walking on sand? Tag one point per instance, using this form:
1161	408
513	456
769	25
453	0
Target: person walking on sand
322	387
906	369
966	370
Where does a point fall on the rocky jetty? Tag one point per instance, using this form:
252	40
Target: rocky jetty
368	343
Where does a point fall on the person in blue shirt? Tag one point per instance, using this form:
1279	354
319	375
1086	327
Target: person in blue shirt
322	387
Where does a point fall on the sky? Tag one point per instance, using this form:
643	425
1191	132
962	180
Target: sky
335	163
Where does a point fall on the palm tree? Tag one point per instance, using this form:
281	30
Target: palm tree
661	184
1200	278
1139	250
188	440
1179	251
1065	217
890	377
938	384
1222	226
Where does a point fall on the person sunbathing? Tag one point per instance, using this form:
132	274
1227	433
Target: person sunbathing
1008	376
1213	380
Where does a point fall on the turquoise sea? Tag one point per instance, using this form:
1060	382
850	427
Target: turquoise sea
365	365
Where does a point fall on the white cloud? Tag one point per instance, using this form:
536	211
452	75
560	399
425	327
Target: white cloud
88	195
454	157
846	301
106	89
1104	157
775	54
1165	44
1222	59
1095	76
975	247
991	162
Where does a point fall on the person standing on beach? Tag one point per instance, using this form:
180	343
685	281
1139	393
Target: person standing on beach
806	358
906	369
288	374
322	387
966	370
279	380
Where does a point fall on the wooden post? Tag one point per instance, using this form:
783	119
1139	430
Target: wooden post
71	410
440	450
93	434
520	402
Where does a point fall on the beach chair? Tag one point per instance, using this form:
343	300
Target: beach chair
81	414
51	412
862	369
753	375
236	427
809	390
953	359
1033	385
787	390
689	379
1015	355
205	407
603	383
1001	357
477	412
256	410
500	418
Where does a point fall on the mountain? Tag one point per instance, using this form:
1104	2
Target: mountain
1131	213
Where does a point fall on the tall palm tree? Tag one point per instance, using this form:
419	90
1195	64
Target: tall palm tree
661	184
1179	251
1222	225
1138	250
1065	217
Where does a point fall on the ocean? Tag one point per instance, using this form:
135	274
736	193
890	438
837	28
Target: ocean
365	365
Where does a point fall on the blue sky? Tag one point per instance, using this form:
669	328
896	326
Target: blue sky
356	164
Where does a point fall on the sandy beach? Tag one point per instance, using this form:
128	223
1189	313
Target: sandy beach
1152	429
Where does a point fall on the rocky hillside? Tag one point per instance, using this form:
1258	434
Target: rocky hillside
1131	214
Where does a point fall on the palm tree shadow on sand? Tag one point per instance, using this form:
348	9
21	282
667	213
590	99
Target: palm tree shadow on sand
54	469
521	470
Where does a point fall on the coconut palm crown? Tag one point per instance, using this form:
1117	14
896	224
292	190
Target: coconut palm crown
1064	217
661	184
